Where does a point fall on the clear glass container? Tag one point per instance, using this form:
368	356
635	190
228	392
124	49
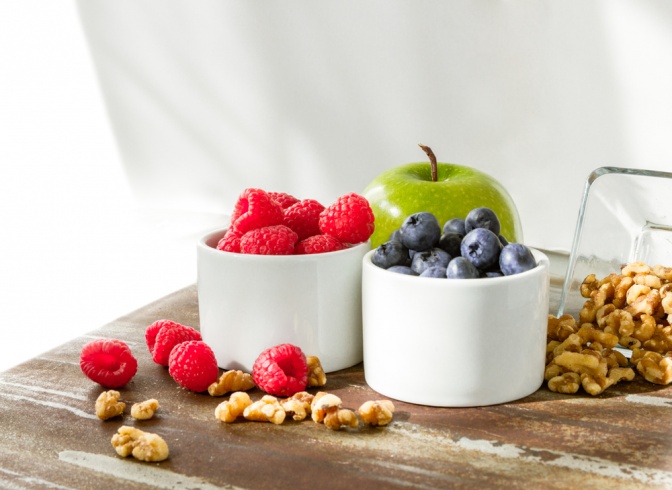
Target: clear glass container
625	216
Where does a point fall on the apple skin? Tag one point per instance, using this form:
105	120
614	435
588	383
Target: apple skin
407	189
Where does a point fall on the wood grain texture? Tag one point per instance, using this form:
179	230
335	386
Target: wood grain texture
51	438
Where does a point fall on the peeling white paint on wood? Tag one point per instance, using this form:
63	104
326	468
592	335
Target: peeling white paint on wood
650	400
50	404
137	472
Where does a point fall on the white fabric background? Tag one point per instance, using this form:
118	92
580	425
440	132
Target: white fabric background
317	98
127	128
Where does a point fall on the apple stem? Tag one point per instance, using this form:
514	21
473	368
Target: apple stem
432	161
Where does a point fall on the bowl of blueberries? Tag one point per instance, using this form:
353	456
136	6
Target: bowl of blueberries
454	314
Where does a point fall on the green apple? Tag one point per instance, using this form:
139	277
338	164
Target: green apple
447	190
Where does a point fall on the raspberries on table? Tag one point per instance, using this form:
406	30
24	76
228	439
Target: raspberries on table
277	223
281	370
193	365
108	362
163	335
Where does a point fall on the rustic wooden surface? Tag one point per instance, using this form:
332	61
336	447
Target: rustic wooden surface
51	437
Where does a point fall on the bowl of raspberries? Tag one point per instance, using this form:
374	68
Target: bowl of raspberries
454	314
285	270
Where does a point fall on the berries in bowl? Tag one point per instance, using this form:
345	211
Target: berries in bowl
458	321
285	270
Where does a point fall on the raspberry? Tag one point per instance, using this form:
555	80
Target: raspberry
255	209
230	242
271	240
152	330
108	362
318	244
350	219
283	199
162	335
304	218
281	370
193	366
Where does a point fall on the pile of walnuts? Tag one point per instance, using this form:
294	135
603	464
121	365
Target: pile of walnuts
632	310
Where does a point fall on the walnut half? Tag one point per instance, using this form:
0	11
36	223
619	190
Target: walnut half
144	446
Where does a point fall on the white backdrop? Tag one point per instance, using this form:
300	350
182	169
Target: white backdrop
182	104
317	98
76	250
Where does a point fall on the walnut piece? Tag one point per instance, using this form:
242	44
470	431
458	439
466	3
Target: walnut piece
267	409
336	418
562	327
229	381
376	412
568	383
655	367
595	385
108	405
316	375
322	402
634	268
144	410
230	410
144	446
298	405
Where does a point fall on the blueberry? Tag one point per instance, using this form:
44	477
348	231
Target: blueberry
436	271
503	241
429	258
493	274
481	247
420	231
461	268
402	269
395	235
451	242
455	225
516	258
390	253
482	218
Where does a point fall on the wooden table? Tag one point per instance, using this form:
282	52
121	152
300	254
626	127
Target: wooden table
51	437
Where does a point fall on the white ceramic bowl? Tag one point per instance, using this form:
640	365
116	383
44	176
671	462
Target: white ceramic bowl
248	303
455	342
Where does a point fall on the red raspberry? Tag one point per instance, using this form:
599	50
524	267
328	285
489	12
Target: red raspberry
193	365
152	330
281	370
304	217
271	240
255	209
162	335
230	242
108	362
283	199
318	244
350	219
